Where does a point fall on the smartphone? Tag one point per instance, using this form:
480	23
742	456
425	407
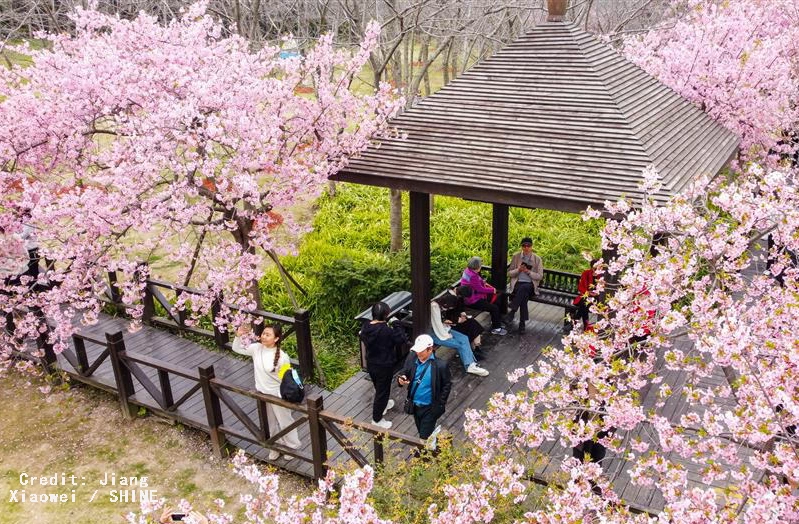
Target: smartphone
177	517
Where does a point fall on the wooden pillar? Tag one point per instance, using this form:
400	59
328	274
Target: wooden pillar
220	337
499	251
318	435
124	381
213	411
147	298
302	326
420	261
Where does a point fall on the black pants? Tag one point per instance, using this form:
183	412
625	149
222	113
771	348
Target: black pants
426	417
493	309
521	294
381	379
582	311
594	450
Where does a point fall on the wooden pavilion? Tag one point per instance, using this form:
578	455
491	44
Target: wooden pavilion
556	120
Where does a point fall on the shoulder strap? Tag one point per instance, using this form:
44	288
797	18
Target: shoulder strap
418	381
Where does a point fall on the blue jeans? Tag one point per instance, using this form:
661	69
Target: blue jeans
460	343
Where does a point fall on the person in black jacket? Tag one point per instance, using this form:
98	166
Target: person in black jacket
430	385
380	341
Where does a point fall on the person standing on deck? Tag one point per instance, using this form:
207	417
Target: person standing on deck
430	385
267	359
525	271
380	341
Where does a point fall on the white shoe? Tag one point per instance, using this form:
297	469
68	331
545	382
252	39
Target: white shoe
474	369
432	440
501	331
385	424
274	454
389	405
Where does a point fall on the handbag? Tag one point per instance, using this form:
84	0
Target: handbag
291	386
409	406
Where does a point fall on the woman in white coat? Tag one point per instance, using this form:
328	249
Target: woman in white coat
267	359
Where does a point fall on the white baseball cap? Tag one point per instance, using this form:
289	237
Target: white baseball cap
422	342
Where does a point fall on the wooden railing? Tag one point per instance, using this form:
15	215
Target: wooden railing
130	374
155	293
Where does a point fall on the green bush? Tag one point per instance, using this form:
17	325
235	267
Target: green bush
345	265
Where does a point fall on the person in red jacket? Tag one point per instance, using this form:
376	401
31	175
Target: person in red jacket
585	288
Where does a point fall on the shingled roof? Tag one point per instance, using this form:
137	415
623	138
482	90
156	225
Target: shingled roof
555	120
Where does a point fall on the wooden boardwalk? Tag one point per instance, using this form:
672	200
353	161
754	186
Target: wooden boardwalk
351	400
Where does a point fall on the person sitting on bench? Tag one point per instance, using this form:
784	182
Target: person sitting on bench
443	335
454	314
484	297
525	271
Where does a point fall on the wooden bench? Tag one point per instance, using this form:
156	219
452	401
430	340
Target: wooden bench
559	288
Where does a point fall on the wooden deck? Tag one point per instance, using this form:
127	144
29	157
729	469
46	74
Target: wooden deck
352	400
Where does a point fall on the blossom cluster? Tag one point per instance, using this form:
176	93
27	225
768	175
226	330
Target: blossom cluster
128	139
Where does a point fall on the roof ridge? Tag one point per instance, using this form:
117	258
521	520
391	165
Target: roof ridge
579	36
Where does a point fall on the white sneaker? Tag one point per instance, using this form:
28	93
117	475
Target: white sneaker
389	405
385	424
474	369
274	454
432	440
501	331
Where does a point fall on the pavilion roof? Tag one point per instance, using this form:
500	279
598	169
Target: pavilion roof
556	120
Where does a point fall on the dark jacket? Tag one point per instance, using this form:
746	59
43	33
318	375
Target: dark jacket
381	342
441	384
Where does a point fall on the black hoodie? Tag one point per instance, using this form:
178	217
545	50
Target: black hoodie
381	341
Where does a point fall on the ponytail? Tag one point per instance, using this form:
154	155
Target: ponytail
278	332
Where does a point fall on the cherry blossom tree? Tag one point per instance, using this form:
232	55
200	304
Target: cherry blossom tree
737	60
129	138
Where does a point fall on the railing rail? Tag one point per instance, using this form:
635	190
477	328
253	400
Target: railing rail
175	319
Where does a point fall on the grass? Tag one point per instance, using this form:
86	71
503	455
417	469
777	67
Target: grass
81	432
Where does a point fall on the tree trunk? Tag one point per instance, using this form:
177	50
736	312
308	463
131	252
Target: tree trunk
395	219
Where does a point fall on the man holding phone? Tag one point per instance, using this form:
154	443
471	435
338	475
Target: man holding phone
430	384
525	271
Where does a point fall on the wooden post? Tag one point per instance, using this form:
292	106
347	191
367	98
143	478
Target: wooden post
80	352
166	388
378	446
213	411
499	252
113	288
420	261
147	298
318	435
302	329
220	337
124	381
49	359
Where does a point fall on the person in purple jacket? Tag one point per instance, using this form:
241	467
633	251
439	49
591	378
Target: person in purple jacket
483	295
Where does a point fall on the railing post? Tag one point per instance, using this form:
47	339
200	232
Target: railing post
213	411
124	381
147	298
318	435
220	337
302	325
378	447
113	289
49	359
80	353
166	388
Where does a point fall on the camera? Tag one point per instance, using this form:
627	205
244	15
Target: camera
528	266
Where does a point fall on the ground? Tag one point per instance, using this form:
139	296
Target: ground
81	432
